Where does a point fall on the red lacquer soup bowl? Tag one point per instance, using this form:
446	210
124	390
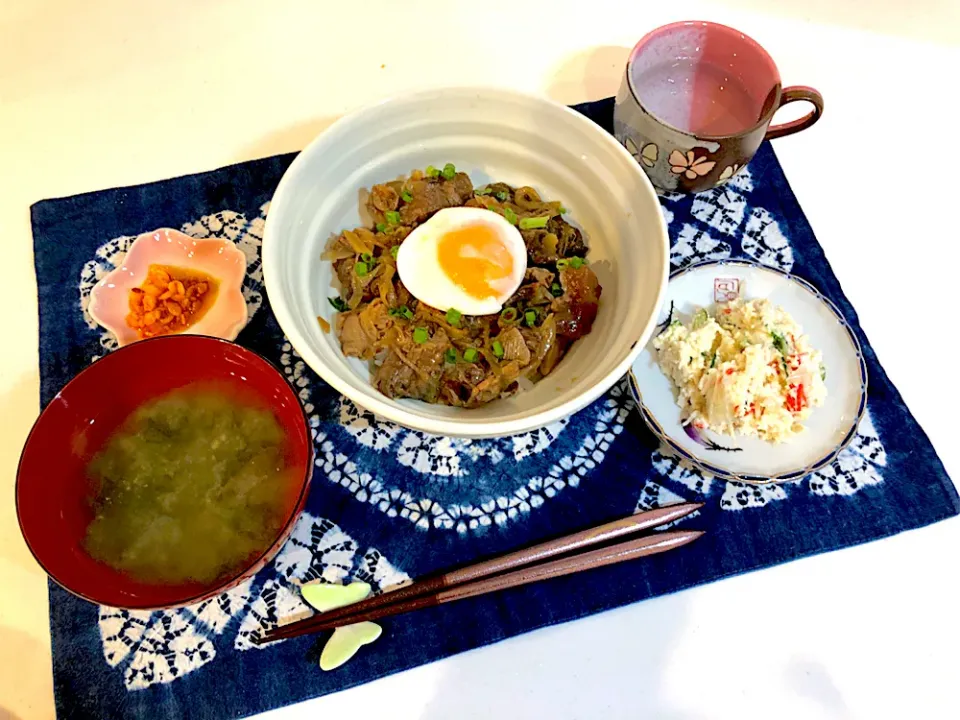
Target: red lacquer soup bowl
53	489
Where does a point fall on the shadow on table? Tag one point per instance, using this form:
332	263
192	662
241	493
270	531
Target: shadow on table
608	665
292	138
588	75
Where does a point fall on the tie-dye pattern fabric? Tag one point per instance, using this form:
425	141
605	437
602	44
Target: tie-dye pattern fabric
390	504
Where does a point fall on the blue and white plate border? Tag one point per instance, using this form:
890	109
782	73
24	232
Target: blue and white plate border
790	475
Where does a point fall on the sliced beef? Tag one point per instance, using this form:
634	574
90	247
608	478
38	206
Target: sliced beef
535	289
337	249
351	286
496	385
459	380
543	246
540	341
486	390
570	239
514	346
538	275
384	198
500	191
432	194
344	270
362	331
413	370
577	308
353	340
355	289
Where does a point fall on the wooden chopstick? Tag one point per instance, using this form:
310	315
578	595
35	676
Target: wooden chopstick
628	550
487	568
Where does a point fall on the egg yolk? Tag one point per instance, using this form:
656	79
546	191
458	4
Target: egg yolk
475	257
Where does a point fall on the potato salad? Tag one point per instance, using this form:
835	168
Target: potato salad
746	369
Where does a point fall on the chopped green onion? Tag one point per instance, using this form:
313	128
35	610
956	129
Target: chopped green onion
453	317
823	371
406	312
497	348
407	197
530	316
502	195
394	250
450	355
556	290
700	318
338	304
431	171
533	223
449	170
509	315
367	258
484	190
562	210
393	217
361	268
574	263
420	335
779	342
510	215
470	355
381	227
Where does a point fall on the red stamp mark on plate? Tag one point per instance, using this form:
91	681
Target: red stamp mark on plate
726	289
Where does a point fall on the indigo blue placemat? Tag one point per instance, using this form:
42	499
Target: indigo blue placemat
388	503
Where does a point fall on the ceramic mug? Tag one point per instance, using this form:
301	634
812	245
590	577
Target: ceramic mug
696	101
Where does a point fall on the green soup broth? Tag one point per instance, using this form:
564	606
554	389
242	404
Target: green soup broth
191	488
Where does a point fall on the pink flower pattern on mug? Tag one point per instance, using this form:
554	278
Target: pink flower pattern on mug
690	166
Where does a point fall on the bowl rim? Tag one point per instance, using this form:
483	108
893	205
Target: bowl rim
235	578
453	426
786	476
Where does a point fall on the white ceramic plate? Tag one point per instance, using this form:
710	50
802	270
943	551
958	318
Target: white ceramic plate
829	428
491	135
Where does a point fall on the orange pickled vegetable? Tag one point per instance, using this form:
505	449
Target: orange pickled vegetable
170	300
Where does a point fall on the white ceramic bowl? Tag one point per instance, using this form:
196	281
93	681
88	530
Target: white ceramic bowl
494	135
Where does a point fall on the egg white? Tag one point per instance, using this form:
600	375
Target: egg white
420	271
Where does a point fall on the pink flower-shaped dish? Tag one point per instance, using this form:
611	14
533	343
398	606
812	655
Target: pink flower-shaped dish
217	266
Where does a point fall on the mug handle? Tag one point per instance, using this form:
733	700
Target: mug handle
793	94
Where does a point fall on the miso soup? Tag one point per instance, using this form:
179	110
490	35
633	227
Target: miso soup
191	488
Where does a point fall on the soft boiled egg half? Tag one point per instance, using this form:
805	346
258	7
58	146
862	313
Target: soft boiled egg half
468	259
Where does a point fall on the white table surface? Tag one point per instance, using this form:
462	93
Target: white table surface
106	93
